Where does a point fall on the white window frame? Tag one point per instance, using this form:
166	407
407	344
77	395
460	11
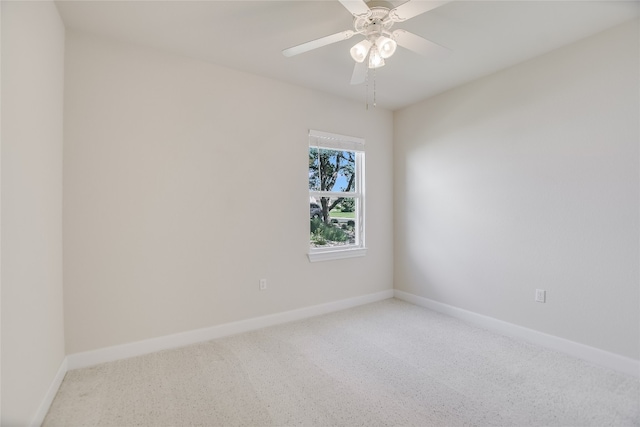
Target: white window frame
326	140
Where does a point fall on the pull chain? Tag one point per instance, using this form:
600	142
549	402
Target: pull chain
374	88
366	88
366	104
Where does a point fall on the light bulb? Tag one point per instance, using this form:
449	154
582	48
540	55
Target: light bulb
386	46
375	59
359	51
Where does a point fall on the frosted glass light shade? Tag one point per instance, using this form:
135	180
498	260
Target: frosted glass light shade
386	46
375	59
359	51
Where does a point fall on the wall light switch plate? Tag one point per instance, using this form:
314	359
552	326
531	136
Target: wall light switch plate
541	295
263	284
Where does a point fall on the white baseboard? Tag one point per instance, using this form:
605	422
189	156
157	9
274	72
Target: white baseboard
108	354
51	394
594	355
89	358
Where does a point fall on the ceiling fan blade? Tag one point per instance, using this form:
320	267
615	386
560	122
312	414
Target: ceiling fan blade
314	44
356	7
414	8
359	73
419	45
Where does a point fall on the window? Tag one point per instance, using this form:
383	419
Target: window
336	196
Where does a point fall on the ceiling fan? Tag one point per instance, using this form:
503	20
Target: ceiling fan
374	20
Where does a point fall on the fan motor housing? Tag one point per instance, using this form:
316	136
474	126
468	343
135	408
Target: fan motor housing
374	23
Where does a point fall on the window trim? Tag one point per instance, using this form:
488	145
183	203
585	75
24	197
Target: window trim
326	254
326	140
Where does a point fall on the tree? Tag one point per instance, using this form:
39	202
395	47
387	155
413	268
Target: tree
328	168
348	205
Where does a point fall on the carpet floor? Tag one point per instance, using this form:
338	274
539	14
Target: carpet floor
384	364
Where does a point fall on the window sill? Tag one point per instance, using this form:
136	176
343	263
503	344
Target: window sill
328	255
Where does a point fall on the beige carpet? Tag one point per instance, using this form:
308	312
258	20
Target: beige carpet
384	364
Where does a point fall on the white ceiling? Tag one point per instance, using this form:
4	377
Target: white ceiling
484	36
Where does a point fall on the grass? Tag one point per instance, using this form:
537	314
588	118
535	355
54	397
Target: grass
338	214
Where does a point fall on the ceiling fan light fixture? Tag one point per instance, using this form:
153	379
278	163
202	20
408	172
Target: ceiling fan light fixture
386	46
375	59
359	51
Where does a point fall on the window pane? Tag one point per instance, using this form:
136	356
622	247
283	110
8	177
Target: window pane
336	229
332	170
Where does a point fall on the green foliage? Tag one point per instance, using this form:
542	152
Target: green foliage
318	238
315	224
334	234
322	233
347	205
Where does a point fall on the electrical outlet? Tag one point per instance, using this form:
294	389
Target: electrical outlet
541	295
263	284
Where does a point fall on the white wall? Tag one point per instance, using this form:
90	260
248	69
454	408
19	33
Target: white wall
528	179
185	183
32	100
